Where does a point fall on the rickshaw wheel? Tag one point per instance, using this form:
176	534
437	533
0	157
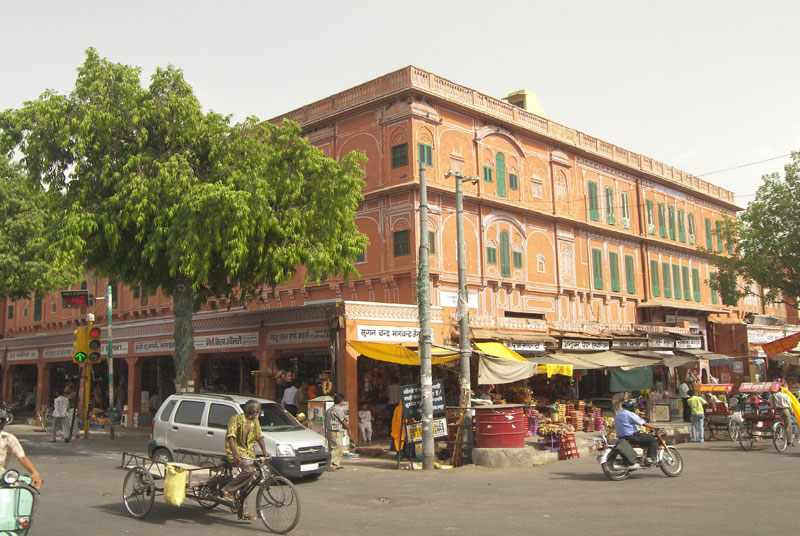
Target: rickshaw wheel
779	437
204	495
734	430
795	435
745	439
138	491
278	504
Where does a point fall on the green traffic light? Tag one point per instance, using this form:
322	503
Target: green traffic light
80	357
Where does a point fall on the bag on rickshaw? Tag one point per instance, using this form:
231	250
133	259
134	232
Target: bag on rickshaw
175	484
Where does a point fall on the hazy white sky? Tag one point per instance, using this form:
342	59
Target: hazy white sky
700	85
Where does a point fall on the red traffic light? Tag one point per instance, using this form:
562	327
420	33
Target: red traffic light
94	345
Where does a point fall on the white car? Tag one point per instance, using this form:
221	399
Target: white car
196	423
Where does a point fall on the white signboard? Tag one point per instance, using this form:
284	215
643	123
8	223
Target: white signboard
450	299
293	336
388	333
532	346
584	344
57	353
629	344
201	342
23	355
152	347
689	343
414	431
655	341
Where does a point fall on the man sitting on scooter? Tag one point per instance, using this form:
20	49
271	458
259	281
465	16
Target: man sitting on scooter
9	444
625	424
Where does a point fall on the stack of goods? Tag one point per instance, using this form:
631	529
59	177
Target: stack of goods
552	433
609	427
599	424
562	413
575	417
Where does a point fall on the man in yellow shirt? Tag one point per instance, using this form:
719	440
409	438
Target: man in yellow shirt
696	403
243	432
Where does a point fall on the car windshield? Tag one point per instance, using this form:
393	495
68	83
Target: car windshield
273	417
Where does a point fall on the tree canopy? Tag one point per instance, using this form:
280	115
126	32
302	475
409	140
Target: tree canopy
156	193
767	249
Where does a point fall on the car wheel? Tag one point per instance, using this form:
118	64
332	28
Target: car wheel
162	455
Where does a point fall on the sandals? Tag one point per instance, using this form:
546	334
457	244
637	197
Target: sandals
247	516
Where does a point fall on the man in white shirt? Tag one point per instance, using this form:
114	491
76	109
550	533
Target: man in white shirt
61	416
289	400
683	392
783	404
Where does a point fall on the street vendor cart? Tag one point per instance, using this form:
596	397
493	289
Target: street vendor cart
717	413
760	421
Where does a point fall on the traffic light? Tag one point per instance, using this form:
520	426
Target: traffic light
93	344
80	349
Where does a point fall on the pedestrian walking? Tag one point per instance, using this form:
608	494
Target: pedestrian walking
61	416
696	403
335	424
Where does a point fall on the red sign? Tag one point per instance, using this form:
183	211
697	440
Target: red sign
714	388
74	299
761	387
781	345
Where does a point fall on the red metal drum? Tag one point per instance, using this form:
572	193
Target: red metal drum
500	426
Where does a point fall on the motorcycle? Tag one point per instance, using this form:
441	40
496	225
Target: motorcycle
619	458
16	503
9	415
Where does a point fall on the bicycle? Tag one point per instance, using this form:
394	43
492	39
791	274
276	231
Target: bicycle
44	417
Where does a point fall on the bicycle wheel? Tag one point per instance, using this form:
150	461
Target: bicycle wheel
779	438
745	438
138	491
278	504
795	435
733	430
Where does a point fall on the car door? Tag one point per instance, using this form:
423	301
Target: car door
212	440
186	430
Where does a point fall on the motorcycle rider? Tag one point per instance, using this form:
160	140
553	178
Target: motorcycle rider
625	424
10	445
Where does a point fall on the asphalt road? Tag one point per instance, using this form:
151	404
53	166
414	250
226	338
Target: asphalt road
722	490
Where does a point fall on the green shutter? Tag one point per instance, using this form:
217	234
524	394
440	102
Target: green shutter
709	240
713	293
662	221
671	222
681	227
687	291
696	284
676	280
630	276
691	228
626	210
613	270
610	206
651	226
487	174
432	242
513	181
491	255
594	213
400	155
597	268
517	259
719	236
654	278
425	155
505	255
666	279
501	174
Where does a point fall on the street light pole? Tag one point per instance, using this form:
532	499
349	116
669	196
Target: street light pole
424	304
462	310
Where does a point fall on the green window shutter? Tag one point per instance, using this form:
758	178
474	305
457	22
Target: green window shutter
651	225
713	293
730	245
662	221
401	243
666	279
719	236
513	181
610	206
671	222
613	270
517	259
687	291
681	226
654	278
630	276
709	240
400	155
359	257
625	207
690	223
676	280
505	255
594	212
491	255
487	174
432	242
425	155
696	284
597	265
500	162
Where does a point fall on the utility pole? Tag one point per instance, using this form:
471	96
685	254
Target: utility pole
424	303
462	310
111	410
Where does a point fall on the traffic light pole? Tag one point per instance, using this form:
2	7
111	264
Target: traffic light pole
111	410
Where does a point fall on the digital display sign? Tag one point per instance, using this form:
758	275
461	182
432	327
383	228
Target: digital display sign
74	299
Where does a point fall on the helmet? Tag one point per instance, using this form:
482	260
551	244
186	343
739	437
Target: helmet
3	418
630	405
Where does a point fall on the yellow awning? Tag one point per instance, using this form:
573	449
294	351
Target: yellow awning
396	353
561	370
498	349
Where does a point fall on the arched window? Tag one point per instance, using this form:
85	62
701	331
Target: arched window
500	165
505	255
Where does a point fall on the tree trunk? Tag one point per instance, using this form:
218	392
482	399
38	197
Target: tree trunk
184	333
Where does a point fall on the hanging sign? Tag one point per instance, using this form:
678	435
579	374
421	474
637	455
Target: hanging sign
414	430
781	345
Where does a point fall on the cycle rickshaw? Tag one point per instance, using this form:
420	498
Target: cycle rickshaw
717	413
277	503
760	419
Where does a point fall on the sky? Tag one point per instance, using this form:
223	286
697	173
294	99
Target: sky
704	86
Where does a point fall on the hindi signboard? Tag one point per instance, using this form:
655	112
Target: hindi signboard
414	430
412	400
781	345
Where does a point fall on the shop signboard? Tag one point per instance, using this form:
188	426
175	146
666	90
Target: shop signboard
450	299
660	341
298	335
695	343
23	355
412	399
584	344
629	344
531	346
388	334
414	430
781	345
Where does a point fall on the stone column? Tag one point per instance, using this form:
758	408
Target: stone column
43	384
134	388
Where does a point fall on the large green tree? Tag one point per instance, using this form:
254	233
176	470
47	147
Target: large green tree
28	263
767	242
154	192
